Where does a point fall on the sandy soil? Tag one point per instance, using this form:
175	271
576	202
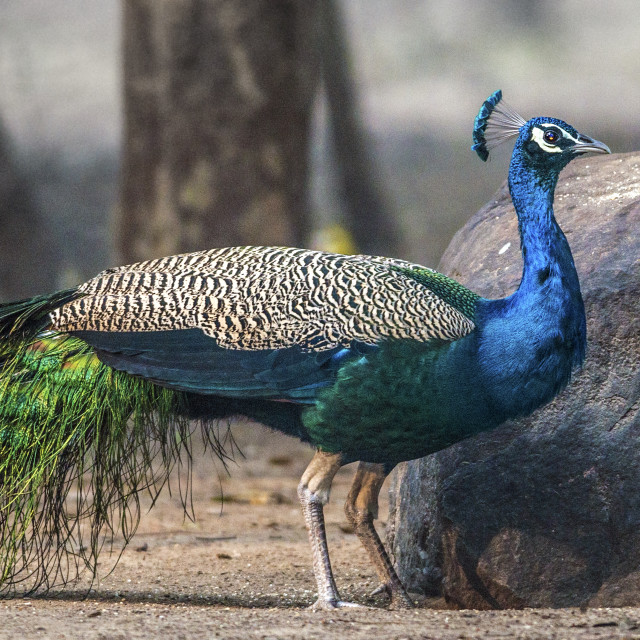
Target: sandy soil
243	570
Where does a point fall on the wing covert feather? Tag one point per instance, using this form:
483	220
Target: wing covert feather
257	298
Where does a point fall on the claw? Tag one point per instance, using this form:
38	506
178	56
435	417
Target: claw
383	588
399	598
330	605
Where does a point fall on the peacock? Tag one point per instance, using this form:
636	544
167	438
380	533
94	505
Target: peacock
368	359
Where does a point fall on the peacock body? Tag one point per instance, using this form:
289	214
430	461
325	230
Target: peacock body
368	359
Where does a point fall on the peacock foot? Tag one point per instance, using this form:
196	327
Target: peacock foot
399	597
330	605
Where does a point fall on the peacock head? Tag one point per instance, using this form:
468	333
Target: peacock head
545	144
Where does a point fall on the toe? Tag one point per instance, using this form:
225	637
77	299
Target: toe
331	605
383	589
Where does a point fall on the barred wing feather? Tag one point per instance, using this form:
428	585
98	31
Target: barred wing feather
258	321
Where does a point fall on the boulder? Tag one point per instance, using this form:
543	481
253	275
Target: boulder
543	511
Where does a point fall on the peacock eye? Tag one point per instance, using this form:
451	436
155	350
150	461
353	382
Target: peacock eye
551	136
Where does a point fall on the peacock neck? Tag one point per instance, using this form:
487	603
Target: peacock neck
545	250
528	343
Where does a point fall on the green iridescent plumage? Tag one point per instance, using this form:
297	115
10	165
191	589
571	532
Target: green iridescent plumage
380	404
447	289
70	422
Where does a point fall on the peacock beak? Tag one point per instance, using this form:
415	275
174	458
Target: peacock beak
585	144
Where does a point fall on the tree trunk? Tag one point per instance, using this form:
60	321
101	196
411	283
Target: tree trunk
218	95
28	262
370	219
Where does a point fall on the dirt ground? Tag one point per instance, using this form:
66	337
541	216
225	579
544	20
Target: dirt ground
243	570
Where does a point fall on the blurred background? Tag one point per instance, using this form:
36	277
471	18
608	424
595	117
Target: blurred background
139	128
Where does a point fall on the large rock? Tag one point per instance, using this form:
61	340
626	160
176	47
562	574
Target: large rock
543	511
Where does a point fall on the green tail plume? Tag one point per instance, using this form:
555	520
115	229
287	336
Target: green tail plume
71	426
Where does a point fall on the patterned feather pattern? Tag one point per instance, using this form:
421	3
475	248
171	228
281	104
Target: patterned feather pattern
255	298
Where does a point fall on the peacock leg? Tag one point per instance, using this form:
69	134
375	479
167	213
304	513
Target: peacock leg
361	508
313	492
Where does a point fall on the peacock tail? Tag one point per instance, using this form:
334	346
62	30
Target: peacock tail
80	442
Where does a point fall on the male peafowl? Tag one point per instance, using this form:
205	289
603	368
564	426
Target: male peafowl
368	359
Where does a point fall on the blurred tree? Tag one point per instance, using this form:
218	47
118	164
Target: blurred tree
218	96
368	214
27	260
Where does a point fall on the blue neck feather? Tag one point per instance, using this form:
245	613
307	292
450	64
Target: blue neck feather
541	239
529	342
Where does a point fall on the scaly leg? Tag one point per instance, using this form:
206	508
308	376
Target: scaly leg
361	509
313	491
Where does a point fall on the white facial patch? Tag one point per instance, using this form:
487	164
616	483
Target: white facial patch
537	135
